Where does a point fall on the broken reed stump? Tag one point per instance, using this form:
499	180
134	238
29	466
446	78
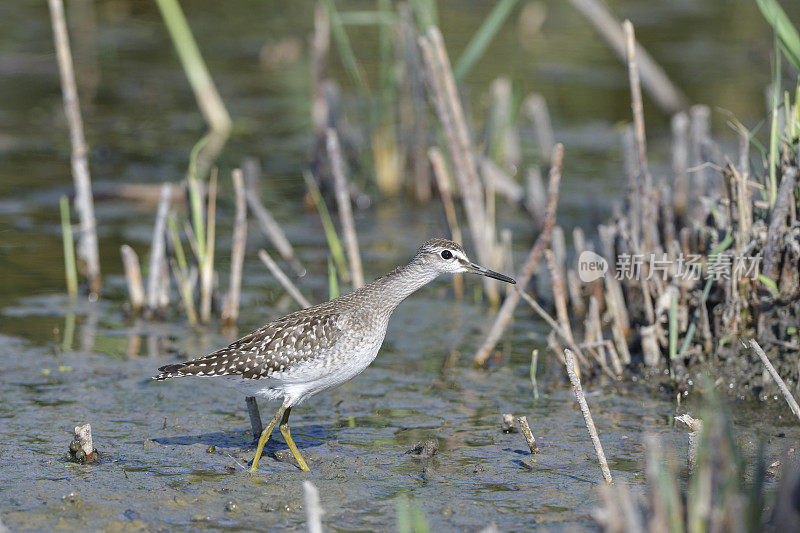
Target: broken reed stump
81	449
587	416
88	249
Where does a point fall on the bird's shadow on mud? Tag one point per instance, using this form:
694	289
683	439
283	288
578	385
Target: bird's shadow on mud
304	437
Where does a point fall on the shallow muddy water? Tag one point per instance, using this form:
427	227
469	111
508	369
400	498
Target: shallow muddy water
65	363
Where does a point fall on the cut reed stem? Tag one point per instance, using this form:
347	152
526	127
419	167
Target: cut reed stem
88	249
345	208
230	311
587	416
287	284
133	277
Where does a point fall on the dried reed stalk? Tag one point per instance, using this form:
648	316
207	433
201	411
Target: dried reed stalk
207	265
320	44
268	224
133	277
643	173
446	195
559	293
158	251
778	223
283	279
587	416
444	95
345	208
416	90
84	204
664	93
230	310
506	311
680	163
775	376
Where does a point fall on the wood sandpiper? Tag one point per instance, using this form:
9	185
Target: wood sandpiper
323	346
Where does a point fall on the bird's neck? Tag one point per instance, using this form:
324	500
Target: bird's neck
397	285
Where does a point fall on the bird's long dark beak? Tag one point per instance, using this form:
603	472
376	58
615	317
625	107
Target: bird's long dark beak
477	269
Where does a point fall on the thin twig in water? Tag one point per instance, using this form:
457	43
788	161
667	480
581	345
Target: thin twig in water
283	279
528	434
230	311
542	242
345	209
84	203
775	376
587	416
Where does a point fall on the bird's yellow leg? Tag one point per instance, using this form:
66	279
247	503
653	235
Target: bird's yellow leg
287	436
265	436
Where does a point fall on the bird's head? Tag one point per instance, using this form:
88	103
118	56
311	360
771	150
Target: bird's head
448	257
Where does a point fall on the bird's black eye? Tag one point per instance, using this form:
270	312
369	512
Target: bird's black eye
447	254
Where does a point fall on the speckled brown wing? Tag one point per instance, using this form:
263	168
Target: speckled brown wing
274	348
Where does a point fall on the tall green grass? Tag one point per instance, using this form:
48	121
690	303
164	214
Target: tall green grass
786	33
482	38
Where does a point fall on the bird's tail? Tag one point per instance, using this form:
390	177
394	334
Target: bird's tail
170	371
